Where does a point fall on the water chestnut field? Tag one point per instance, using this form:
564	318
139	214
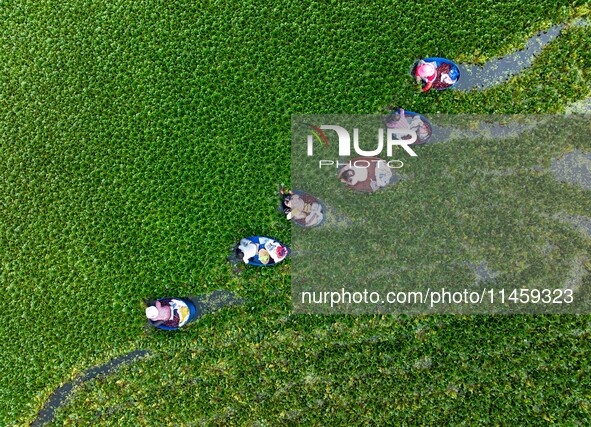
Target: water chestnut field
140	140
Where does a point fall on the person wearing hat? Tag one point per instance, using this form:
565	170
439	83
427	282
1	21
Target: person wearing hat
295	207
273	251
399	120
248	249
427	73
171	313
433	76
266	251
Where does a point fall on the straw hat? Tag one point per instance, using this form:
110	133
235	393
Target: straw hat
152	312
264	256
426	70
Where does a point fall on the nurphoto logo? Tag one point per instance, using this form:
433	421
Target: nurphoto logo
400	137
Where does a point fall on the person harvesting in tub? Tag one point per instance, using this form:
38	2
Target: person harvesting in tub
437	76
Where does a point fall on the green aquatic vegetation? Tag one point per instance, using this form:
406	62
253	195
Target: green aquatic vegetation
352	370
141	140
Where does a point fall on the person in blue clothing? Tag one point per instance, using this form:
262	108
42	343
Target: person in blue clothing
260	250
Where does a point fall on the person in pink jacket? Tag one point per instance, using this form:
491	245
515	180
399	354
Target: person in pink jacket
426	72
170	313
433	76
